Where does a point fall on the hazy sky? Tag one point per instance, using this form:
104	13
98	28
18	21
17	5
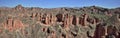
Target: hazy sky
60	3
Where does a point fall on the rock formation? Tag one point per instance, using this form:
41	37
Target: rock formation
101	31
70	19
60	17
66	21
75	20
85	16
86	22
13	24
52	19
19	7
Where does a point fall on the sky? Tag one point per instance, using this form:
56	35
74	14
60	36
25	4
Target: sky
60	3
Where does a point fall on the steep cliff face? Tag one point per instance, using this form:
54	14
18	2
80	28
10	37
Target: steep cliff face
100	31
87	22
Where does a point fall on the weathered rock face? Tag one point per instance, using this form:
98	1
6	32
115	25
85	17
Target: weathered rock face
60	17
75	20
10	22
44	18
103	31
83	20
85	16
80	20
70	19
66	21
112	31
53	23
52	19
47	19
100	31
17	24
33	15
39	17
13	24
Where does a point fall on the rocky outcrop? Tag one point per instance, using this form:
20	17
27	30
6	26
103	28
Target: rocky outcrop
112	31
75	20
66	21
19	7
85	16
33	15
44	18
17	24
61	22
70	19
101	31
13	24
83	20
60	17
47	19
52	19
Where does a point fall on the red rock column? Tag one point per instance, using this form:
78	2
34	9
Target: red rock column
66	21
41	16
49	18
77	20
85	16
100	31
9	22
74	20
63	17
53	19
112	30
80	20
70	19
46	20
33	15
94	21
13	24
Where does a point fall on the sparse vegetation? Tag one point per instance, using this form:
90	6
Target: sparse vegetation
33	26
